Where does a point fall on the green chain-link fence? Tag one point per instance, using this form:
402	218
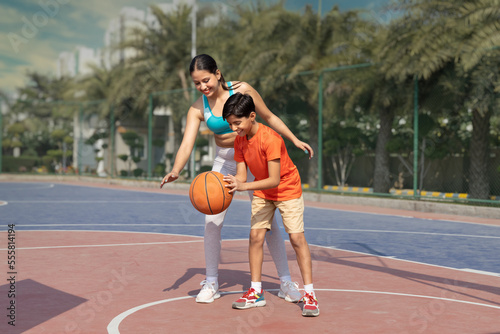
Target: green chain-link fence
371	136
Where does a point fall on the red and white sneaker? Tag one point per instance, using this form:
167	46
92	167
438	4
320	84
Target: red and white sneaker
311	308
250	299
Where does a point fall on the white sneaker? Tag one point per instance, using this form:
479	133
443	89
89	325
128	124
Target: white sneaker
209	292
290	292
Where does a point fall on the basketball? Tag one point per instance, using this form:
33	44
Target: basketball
208	194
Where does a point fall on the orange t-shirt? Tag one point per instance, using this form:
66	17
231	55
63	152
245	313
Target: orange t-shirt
264	146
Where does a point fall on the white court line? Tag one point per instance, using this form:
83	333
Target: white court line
482	272
308	206
95	201
400	216
32	186
230	240
403	232
115	322
108	245
406	260
3	203
308	228
135	225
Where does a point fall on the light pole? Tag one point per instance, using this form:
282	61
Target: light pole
1	135
193	54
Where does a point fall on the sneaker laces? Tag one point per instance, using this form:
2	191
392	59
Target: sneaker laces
248	293
309	298
291	284
206	285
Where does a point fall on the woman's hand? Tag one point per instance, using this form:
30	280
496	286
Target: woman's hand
305	148
170	177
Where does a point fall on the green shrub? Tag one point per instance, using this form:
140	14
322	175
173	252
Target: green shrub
138	172
12	164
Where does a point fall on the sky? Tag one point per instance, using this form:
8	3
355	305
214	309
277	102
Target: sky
34	32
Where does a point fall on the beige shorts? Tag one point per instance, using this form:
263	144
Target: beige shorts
292	213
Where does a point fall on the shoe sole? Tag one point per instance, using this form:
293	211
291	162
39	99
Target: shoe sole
287	298
310	314
211	300
246	306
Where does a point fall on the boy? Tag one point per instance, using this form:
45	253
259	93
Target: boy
277	185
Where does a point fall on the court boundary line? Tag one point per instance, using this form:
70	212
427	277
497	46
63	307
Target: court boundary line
310	228
113	326
244	199
87	202
468	270
109	245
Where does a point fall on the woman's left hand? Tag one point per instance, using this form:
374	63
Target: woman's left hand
305	148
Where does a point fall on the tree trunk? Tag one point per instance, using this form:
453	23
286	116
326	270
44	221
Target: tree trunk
381	175
479	187
182	77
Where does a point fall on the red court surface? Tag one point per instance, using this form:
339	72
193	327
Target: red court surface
116	282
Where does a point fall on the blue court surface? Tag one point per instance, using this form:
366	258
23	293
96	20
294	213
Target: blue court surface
53	206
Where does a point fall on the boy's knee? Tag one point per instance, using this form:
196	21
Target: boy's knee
297	239
257	236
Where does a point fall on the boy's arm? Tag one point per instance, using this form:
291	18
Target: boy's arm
236	183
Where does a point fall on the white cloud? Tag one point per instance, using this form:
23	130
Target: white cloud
10	16
58	29
40	57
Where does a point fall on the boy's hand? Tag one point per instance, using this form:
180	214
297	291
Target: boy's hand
233	183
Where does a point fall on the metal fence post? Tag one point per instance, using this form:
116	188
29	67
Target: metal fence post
1	135
150	135
112	135
80	139
415	138
320	130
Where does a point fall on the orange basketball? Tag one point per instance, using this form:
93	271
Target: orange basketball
208	194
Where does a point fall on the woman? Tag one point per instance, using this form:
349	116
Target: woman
215	91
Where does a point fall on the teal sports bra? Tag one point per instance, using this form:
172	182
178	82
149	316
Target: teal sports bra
215	123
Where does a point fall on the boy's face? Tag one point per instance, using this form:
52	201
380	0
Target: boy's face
242	125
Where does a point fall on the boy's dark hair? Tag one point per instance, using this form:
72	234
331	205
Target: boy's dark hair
239	105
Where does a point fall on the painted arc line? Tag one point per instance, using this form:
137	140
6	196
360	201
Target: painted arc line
115	322
113	325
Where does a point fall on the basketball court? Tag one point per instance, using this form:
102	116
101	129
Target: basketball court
96	258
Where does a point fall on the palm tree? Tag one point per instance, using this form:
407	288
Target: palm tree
161	62
40	111
432	34
290	44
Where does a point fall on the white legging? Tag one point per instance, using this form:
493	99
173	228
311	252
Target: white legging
224	163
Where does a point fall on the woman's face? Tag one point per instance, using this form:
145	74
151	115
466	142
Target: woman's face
205	82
